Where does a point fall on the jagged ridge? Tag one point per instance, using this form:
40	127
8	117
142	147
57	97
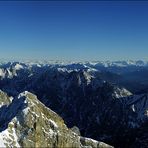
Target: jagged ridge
26	122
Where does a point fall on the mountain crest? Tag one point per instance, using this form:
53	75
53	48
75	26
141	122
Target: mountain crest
26	122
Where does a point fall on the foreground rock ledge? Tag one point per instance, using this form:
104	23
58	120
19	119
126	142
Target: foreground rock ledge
26	122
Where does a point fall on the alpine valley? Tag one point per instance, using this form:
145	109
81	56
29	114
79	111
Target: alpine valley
59	104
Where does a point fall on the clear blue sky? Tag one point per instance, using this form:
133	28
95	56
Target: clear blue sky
74	30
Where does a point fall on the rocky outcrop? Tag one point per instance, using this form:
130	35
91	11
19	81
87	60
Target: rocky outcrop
88	142
26	122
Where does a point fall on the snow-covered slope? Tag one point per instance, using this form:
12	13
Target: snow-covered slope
9	69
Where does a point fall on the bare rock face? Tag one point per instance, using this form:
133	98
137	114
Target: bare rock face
26	122
93	143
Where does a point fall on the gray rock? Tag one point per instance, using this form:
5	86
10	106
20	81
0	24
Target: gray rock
28	123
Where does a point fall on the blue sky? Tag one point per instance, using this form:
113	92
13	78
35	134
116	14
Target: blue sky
74	30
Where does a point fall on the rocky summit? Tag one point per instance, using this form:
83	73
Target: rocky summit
26	122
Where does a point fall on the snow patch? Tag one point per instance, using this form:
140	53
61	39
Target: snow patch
25	111
18	67
7	138
53	123
23	94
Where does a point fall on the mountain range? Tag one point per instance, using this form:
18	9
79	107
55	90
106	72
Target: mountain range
64	102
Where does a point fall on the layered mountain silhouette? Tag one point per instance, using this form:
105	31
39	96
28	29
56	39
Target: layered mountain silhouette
107	102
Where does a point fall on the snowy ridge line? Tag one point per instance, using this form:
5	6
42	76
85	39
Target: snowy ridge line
86	63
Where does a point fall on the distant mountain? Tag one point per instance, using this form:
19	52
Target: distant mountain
121	73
